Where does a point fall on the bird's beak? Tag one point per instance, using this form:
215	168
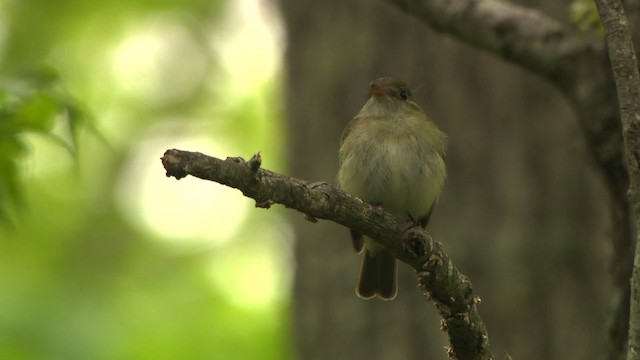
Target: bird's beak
377	90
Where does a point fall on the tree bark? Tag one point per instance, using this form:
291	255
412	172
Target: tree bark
625	73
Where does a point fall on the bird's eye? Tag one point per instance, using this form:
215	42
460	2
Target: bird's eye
404	94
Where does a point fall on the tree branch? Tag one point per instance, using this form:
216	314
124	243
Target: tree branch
524	36
625	73
441	282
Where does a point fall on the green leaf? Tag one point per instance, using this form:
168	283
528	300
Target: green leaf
34	102
37	113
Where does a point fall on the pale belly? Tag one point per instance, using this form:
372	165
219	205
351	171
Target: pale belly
405	178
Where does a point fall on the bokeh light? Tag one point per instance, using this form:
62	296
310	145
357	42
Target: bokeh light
117	260
193	210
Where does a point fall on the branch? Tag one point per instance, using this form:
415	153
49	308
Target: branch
441	282
524	36
625	73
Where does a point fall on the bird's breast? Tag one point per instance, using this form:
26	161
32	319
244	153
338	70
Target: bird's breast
392	166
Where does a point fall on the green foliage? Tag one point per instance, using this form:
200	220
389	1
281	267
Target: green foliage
584	15
82	275
33	103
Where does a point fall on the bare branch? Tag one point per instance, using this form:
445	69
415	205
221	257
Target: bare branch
625	73
441	282
524	36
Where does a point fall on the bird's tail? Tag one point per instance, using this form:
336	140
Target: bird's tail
377	275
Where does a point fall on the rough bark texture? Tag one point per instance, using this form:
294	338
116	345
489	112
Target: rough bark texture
625	72
449	290
522	35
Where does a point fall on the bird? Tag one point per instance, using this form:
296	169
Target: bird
391	155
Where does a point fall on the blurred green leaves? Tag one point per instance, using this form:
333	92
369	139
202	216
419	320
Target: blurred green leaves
33	103
584	15
85	271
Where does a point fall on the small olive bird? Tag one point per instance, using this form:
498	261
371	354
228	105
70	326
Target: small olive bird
391	155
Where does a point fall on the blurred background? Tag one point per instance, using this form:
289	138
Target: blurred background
103	257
